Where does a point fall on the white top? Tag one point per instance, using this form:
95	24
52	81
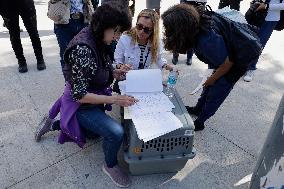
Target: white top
274	10
128	53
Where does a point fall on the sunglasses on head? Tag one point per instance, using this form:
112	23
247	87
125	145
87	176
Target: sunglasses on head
146	30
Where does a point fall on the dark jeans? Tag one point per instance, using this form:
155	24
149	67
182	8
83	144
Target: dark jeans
66	32
26	10
212	98
97	121
264	34
234	4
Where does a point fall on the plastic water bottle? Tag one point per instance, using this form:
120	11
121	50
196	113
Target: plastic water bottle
172	80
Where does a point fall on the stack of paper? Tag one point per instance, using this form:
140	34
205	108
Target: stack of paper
152	115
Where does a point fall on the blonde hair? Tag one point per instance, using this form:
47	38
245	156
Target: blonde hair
154	38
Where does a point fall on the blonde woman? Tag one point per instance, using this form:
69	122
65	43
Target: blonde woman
141	47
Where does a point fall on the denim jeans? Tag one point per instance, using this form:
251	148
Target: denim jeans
212	98
66	32
264	34
97	121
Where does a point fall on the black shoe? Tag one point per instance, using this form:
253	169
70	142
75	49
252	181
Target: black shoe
192	110
23	68
41	65
189	62
175	60
198	126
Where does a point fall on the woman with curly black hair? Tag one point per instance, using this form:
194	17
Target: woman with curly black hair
89	73
226	46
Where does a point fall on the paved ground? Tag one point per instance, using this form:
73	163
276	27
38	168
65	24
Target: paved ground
226	150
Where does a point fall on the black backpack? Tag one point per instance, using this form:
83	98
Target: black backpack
280	24
242	43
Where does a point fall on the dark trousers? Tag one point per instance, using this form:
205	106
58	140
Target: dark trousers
189	54
26	10
212	98
264	34
234	4
66	32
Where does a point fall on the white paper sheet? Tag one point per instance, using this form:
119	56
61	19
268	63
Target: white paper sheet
151	102
153	125
145	80
151	115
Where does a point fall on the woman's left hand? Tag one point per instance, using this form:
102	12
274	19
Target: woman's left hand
119	74
209	82
168	67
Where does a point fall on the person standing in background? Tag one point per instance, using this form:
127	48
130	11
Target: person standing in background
80	16
189	52
234	4
273	16
10	11
154	4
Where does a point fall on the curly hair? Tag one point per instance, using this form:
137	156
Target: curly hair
181	24
154	38
109	15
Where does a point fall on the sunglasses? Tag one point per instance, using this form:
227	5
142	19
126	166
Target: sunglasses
146	30
116	30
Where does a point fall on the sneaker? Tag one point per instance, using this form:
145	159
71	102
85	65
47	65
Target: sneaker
192	110
249	76
44	127
198	126
117	175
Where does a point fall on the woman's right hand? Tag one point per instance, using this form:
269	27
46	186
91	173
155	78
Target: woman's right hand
262	6
126	67
124	100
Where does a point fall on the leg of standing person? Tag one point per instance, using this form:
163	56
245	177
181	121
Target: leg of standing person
235	4
65	33
264	34
12	23
189	55
28	14
175	58
223	3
